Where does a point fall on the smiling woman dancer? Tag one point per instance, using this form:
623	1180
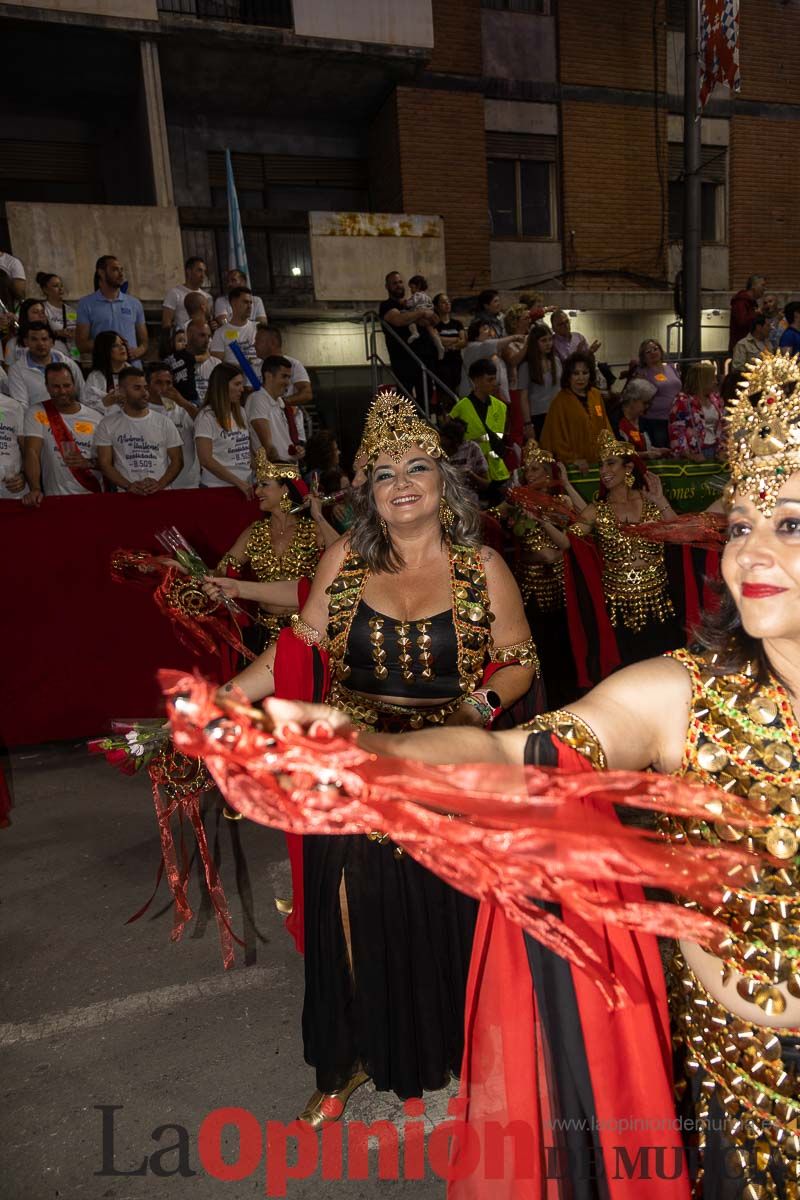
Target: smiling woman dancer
411	616
725	713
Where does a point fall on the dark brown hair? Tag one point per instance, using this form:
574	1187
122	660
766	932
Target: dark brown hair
538	361
722	634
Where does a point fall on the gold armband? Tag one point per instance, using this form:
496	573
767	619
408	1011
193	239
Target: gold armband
573	731
307	633
521	654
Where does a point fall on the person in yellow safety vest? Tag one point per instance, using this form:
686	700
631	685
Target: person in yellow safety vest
485	418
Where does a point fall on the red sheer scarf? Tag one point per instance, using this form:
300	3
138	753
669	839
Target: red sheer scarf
504	1075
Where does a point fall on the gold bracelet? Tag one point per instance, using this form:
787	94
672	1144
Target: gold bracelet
307	633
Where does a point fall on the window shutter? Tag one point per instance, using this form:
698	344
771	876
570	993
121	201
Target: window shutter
713	162
56	162
257	171
538	146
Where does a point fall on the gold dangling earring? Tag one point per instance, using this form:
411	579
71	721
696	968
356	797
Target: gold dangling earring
629	476
446	514
384	529
286	503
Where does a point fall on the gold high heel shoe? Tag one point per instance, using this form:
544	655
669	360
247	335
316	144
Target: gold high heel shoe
326	1107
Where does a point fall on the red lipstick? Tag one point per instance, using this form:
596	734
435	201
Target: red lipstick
758	591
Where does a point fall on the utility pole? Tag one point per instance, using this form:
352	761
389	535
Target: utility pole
691	185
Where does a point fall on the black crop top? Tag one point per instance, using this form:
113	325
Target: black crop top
403	651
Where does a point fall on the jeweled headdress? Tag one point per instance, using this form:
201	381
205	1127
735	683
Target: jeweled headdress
393	426
532	452
609	447
763	429
265	469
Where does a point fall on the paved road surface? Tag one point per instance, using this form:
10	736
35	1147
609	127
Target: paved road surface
95	1012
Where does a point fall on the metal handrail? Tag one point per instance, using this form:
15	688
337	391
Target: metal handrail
372	323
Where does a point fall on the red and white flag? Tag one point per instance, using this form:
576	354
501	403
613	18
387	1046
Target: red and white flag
719	46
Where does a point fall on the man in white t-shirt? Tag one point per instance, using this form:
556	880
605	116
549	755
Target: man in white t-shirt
173	310
266	413
138	449
59	452
12	479
15	272
26	381
240	328
269	341
222	306
164	397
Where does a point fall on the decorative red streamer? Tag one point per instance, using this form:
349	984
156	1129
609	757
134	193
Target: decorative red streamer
522	833
198	631
177	876
705	530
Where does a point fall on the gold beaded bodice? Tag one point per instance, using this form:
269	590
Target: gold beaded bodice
744	738
541	580
634	571
298	560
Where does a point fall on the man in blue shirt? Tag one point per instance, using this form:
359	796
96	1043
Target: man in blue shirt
109	308
790	338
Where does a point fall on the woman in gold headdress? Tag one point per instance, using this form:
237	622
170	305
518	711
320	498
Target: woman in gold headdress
280	547
726	713
418	625
634	574
541	544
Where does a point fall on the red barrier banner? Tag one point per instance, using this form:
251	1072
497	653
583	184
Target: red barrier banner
79	649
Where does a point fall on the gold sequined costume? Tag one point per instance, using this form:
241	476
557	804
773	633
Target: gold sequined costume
743	737
634	572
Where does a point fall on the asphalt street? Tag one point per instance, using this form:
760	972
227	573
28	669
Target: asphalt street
104	1022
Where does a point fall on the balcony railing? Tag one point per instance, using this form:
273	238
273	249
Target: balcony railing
275	13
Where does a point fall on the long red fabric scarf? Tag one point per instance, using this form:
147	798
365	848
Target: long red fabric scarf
504	1077
64	437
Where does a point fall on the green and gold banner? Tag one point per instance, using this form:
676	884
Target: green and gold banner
689	486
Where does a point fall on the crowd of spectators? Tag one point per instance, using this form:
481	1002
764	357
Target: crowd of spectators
82	410
526	373
81	413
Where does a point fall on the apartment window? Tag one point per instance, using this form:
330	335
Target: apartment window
521	172
542	7
277	13
713	197
288	182
676	14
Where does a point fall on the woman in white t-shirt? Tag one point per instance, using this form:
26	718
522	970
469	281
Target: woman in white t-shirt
221	433
109	356
61	317
544	371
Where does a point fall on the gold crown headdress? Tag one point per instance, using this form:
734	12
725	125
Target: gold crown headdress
762	427
265	469
393	426
609	447
532	453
